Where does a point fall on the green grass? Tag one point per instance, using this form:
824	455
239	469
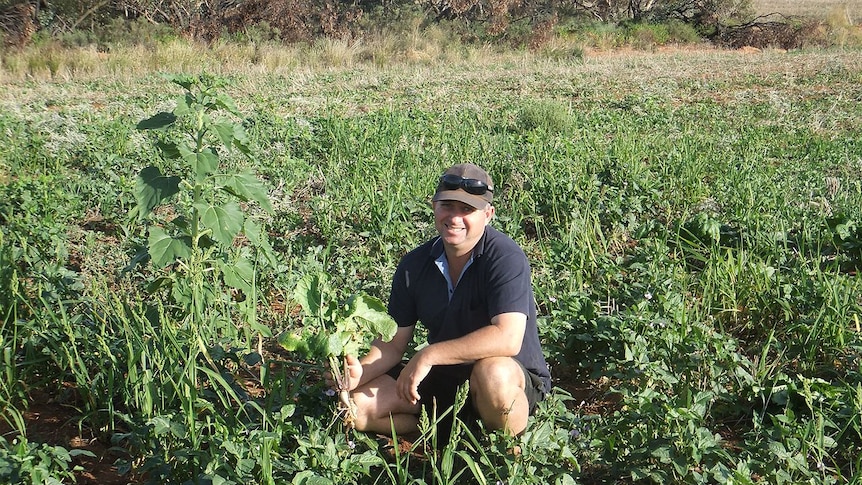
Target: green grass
693	219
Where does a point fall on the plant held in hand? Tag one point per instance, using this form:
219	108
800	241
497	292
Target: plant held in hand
334	329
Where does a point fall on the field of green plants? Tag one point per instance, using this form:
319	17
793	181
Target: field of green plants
182	254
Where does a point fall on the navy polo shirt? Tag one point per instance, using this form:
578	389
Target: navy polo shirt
497	281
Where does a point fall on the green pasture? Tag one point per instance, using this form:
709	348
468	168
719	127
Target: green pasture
693	221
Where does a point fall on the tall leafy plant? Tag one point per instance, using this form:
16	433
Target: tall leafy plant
205	249
192	240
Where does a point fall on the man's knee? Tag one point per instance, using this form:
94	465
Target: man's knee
496	373
362	405
376	404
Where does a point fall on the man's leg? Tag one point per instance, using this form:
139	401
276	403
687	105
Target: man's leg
497	388
379	408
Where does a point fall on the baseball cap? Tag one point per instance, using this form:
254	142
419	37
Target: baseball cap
467	183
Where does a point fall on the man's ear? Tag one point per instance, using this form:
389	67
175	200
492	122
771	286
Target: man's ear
489	213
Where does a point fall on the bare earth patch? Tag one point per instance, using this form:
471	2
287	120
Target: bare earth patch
57	425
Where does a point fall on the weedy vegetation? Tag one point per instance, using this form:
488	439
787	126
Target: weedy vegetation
183	258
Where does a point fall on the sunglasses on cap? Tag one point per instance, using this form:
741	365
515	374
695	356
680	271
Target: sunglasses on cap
471	186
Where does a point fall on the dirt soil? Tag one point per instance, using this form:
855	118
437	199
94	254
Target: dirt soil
57	425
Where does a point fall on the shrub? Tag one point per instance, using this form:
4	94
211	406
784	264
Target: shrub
645	36
792	33
682	33
550	116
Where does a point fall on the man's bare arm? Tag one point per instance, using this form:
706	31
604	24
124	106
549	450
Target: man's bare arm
381	357
503	338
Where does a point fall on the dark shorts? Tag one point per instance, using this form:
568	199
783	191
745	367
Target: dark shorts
442	383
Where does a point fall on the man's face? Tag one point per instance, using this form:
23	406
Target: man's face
460	225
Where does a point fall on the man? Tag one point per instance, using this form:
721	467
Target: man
470	287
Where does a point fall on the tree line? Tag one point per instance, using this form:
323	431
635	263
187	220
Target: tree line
305	20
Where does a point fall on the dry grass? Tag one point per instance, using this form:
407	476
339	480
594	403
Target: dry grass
841	19
500	77
56	63
684	75
821	9
431	50
415	46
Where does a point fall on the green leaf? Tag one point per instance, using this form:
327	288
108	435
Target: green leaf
541	434
169	150
778	450
566	480
293	342
308	477
164	425
184	80
77	453
258	238
245	466
367	460
253	232
287	410
165	249
151	188
158	121
159	283
663	454
225	220
205	99
240	140
206	162
335	343
261	328
309	293
239	274
203	162
225	130
224	101
184	105
222	383
187	153
247	186
318	344
372	314
474	467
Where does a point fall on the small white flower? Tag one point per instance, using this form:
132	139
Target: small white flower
648	296
329	392
351	444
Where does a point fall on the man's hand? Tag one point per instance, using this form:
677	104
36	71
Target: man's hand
352	372
408	381
351	375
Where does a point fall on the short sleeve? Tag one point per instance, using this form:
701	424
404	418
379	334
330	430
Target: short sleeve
402	307
509	286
